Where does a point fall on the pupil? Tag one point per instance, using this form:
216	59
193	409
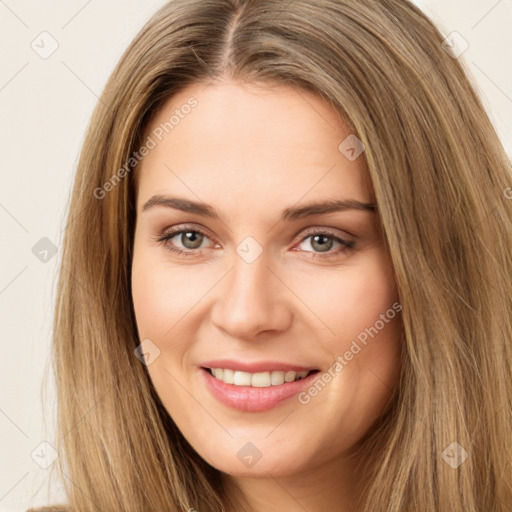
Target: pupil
323	246
192	239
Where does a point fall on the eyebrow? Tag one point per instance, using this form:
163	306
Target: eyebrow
289	214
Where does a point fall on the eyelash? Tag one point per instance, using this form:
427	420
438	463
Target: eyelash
167	235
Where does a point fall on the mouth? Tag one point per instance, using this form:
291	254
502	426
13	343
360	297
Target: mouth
258	379
258	391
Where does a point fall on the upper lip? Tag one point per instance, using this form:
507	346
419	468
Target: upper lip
255	366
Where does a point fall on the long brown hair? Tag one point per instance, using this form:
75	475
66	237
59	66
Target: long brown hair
440	177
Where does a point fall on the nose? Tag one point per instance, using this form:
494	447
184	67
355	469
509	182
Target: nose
252	300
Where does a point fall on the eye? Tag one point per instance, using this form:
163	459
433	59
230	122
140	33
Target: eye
190	238
323	241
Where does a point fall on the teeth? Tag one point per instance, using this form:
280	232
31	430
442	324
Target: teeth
228	376
256	380
242	379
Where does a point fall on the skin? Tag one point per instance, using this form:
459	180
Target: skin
250	152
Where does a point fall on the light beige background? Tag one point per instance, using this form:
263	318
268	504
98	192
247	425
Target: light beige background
45	105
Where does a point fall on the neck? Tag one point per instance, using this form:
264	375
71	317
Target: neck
333	486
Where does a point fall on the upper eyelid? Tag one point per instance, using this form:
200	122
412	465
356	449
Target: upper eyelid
172	232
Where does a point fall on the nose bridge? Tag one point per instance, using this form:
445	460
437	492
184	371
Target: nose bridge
251	279
251	299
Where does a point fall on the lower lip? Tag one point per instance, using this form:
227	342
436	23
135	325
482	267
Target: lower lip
249	399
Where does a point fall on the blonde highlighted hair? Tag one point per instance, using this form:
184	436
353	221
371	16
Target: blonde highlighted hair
440	177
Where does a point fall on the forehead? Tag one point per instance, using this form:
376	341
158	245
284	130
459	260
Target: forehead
249	142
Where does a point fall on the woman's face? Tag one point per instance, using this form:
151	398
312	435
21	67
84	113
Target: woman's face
267	288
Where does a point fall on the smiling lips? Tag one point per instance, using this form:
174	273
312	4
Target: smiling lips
254	387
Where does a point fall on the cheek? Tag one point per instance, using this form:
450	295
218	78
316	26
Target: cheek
168	301
360	314
352	299
149	298
164	294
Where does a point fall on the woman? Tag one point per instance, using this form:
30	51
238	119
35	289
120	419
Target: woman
286	281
